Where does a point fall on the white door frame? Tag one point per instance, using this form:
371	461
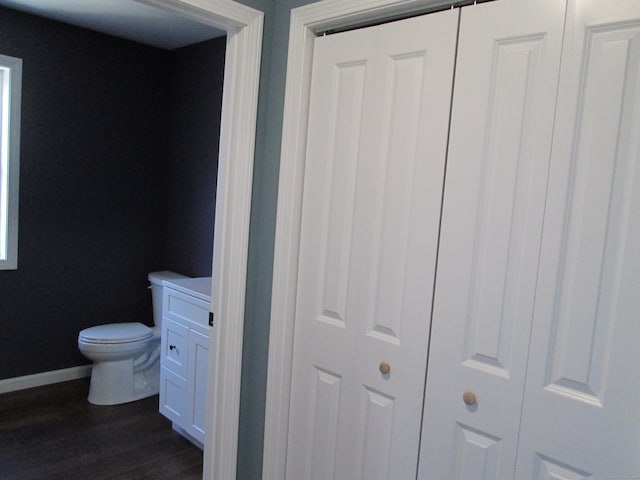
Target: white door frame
306	23
233	207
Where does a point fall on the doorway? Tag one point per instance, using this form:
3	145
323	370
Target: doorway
233	202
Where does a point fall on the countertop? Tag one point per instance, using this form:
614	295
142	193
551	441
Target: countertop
197	287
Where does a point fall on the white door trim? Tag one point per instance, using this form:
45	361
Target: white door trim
233	207
305	23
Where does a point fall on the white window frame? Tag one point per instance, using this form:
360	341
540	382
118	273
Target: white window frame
10	97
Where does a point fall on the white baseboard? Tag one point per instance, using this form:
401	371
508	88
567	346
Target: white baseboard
44	378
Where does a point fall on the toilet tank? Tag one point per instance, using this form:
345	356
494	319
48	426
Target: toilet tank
157	283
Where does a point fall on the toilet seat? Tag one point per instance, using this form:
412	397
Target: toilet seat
116	333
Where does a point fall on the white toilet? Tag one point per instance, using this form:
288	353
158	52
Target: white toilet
126	356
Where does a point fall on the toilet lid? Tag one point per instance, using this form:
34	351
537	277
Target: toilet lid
116	333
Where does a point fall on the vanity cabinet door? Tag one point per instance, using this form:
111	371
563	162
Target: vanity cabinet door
197	390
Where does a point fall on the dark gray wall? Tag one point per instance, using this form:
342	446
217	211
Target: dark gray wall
197	74
96	198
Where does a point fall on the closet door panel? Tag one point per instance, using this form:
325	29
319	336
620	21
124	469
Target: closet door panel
379	115
500	141
580	408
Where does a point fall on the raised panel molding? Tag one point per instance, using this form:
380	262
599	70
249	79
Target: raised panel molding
476	454
344	145
321	455
378	417
599	208
549	469
504	205
394	200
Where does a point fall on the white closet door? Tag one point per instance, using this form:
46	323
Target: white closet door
501	130
379	114
580	415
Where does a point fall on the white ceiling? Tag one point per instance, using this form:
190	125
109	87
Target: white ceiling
122	18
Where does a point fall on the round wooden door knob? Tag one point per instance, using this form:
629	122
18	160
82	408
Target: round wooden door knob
385	368
469	398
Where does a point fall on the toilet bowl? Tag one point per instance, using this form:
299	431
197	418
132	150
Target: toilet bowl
126	356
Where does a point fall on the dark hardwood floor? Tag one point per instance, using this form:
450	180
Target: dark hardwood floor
52	432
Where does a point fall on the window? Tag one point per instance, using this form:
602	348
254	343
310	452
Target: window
10	94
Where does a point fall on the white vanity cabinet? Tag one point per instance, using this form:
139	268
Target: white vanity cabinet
186	304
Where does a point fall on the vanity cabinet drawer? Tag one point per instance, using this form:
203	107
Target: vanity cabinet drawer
175	338
182	307
173	395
